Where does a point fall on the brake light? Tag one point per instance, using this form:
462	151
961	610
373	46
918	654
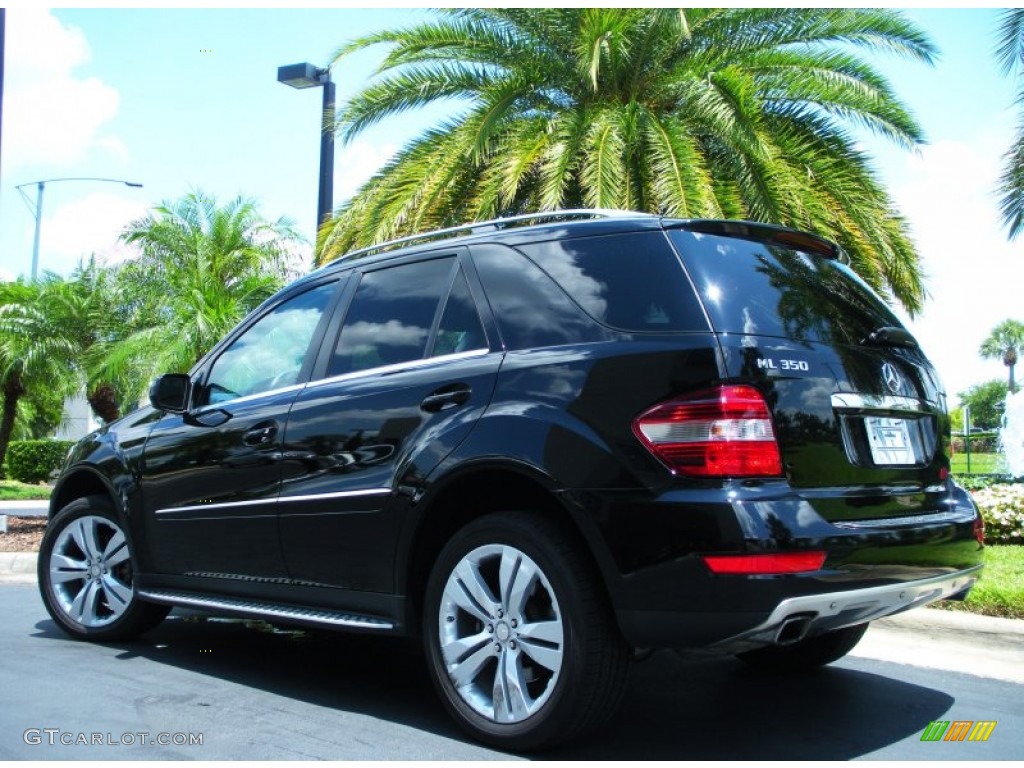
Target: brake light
721	432
765	565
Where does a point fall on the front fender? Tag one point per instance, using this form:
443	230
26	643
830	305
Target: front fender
108	462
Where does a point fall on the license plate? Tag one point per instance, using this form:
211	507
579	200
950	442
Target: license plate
889	440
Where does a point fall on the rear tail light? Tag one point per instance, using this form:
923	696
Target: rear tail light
765	565
721	432
978	529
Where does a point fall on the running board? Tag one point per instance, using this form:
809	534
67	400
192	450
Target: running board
269	610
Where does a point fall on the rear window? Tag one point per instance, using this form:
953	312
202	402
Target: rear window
758	289
632	282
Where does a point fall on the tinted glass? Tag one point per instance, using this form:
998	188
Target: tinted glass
271	352
633	282
460	329
530	307
760	289
391	316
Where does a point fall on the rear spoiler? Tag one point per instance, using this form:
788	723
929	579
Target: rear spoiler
764	233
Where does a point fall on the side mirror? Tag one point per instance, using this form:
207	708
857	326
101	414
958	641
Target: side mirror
170	392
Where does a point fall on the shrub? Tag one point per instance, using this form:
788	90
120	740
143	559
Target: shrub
976	482
986	442
33	461
1002	508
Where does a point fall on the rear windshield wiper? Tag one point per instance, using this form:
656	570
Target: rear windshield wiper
890	336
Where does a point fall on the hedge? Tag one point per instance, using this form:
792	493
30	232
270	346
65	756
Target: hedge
1002	508
34	461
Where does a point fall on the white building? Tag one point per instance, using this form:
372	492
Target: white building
78	420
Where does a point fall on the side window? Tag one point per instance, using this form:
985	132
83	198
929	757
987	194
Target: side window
530	307
271	352
391	316
633	282
460	329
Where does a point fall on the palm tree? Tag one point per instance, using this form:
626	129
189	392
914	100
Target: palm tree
83	306
1011	184
1004	343
703	112
202	268
82	311
36	350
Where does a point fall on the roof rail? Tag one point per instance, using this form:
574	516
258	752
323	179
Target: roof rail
475	227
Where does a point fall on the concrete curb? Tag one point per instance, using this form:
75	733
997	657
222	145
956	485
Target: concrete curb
18	567
25	508
957	641
971	624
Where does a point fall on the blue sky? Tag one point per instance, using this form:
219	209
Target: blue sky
188	99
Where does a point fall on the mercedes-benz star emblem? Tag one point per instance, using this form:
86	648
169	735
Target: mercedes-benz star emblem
892	378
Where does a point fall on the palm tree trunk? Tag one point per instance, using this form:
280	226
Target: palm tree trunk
13	390
103	402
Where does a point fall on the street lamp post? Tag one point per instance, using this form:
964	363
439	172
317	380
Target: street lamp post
38	211
305	75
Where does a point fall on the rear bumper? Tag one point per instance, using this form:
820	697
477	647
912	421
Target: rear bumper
792	618
665	597
799	617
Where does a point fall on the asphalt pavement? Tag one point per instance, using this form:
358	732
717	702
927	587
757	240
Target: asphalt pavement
929	638
249	690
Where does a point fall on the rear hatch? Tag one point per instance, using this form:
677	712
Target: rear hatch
859	413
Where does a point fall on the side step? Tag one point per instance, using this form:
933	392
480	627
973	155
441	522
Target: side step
319	616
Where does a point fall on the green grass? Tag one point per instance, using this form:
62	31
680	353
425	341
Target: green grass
11	490
981	464
1000	591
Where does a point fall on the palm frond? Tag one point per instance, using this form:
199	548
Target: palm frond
737	112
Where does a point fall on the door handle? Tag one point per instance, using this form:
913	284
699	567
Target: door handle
447	397
261	434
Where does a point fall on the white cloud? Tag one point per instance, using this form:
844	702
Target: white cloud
51	116
89	225
356	163
974	273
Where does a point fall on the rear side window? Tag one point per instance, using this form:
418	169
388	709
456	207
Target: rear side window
762	289
531	309
632	282
391	316
460	329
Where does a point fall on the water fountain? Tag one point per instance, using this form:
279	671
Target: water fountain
1012	433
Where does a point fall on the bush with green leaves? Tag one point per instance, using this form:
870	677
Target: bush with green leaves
34	461
1002	508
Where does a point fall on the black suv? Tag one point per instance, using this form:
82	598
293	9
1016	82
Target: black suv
539	444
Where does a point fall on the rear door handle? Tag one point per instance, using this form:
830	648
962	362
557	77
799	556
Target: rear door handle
261	434
450	396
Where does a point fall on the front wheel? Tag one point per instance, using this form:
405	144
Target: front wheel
808	654
86	575
520	643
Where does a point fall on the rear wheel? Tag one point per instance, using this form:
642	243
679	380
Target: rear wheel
85	570
808	654
520	643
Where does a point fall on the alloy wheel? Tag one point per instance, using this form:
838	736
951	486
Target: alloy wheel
501	633
90	571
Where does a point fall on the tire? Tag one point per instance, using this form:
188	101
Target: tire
808	654
511	593
85	572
